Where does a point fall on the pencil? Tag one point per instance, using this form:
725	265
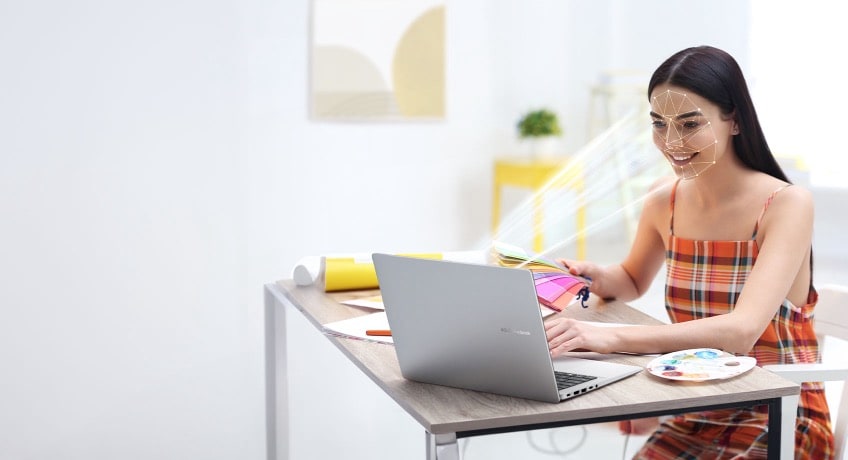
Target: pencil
379	332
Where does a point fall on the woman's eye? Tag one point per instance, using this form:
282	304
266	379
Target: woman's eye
657	124
690	124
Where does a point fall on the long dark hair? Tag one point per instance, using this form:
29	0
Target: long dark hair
715	75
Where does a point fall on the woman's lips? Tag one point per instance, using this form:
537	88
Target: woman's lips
680	158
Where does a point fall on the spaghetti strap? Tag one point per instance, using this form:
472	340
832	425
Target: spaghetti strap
671	219
765	206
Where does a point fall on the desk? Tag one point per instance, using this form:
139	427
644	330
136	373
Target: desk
447	414
537	175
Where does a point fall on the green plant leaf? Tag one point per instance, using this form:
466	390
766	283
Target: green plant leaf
539	123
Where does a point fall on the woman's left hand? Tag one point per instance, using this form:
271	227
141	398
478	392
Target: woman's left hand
566	334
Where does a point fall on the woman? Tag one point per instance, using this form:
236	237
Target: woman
736	237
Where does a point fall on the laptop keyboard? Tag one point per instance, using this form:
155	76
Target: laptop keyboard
567	380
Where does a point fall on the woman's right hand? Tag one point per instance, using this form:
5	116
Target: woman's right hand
589	270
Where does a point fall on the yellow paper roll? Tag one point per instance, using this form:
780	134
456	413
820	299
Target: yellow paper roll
347	273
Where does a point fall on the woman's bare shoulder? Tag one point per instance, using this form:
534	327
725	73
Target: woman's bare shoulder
793	198
789	205
656	207
659	194
798	192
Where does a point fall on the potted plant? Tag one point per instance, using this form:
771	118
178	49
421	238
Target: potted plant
542	128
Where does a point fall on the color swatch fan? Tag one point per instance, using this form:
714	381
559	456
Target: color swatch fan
555	286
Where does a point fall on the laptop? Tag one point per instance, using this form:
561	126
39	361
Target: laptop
479	327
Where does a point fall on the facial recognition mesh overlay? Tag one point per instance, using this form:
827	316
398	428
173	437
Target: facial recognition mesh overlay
616	168
683	134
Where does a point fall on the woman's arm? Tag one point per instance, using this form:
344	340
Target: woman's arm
782	269
631	278
781	264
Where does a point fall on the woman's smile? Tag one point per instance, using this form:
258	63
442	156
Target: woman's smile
680	158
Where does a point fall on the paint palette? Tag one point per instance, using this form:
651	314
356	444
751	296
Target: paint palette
700	364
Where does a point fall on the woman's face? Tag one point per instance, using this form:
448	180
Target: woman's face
689	130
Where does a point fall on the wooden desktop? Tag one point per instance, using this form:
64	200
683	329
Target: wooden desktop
447	414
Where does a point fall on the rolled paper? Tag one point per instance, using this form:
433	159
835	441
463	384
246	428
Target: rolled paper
345	273
356	271
307	270
348	273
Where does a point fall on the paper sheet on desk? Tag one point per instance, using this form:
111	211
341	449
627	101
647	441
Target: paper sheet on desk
374	302
354	328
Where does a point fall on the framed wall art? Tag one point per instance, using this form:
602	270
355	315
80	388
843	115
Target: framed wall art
377	60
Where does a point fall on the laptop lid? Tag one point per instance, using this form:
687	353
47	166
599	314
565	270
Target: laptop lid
474	326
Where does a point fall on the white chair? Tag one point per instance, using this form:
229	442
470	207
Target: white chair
831	321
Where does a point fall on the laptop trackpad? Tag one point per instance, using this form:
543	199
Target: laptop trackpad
601	369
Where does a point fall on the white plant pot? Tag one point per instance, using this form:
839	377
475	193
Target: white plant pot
546	146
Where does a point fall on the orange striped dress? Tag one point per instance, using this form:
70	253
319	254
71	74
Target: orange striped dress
704	278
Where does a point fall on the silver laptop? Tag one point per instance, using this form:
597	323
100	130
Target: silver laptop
479	327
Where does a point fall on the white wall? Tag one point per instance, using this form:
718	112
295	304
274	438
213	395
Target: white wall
798	81
127	330
157	166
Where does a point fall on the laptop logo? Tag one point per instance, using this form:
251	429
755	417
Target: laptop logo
508	330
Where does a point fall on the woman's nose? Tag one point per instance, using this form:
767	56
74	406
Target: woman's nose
673	137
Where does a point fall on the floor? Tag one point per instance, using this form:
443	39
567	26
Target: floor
326	421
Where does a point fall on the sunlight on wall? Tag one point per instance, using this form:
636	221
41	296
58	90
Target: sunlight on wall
797	85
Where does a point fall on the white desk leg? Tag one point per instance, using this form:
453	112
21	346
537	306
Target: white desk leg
276	380
441	446
788	412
